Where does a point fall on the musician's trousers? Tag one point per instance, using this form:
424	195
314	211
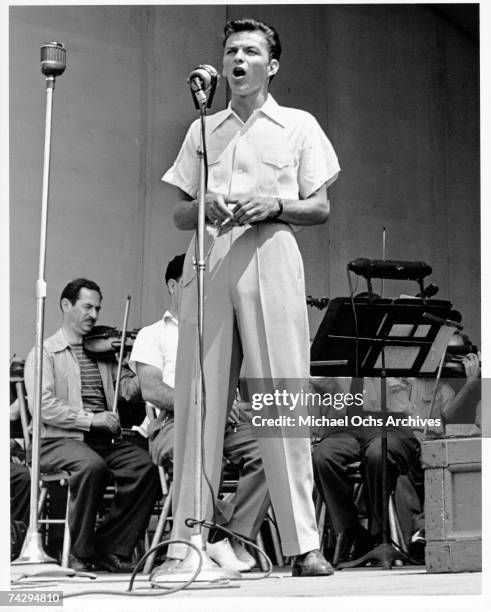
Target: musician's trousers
332	456
20	493
91	469
254	317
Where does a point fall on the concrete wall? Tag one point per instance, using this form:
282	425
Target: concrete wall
395	87
97	203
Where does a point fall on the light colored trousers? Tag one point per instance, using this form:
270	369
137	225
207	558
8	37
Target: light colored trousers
255	318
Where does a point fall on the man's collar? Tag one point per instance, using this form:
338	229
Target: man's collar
168	316
273	110
57	342
270	108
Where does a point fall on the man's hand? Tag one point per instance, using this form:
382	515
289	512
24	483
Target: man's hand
107	422
472	366
255	210
216	210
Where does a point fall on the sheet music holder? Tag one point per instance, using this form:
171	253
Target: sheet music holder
353	332
380	337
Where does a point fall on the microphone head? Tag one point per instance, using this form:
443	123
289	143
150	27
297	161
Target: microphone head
205	74
53	59
203	82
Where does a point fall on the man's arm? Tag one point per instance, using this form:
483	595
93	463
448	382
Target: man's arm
186	210
129	386
313	210
463	408
54	410
153	389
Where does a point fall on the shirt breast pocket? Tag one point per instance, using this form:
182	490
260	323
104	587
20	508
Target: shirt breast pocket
278	170
216	171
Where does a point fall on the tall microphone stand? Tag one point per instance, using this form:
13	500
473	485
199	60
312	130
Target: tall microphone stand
53	64
210	572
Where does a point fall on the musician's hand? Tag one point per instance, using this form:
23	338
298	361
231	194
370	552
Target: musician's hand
107	422
238	413
254	210
472	366
216	210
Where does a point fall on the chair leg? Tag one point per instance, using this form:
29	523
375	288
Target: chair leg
274	537
159	530
395	527
43	493
261	559
66	534
321	525
163	480
337	550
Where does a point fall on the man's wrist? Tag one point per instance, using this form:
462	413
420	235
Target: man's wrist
279	211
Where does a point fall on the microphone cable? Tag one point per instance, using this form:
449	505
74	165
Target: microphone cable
131	593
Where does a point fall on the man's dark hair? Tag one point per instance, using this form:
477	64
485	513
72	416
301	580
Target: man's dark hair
72	290
174	268
251	25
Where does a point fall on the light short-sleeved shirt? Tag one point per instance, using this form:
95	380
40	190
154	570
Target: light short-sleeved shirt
410	396
278	152
156	345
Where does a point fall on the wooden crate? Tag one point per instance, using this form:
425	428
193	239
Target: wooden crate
453	508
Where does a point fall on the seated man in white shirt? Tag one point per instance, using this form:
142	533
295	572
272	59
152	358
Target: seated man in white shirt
153	358
340	448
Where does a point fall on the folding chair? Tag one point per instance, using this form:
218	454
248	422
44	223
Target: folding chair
47	475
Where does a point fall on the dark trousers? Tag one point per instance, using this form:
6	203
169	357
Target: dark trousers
332	456
92	466
20	493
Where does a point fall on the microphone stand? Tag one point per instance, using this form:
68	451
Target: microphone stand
33	560
210	572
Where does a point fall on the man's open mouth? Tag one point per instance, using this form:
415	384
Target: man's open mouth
238	71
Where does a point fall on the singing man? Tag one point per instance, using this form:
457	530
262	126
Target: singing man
269	167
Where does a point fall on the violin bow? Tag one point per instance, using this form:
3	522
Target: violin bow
121	354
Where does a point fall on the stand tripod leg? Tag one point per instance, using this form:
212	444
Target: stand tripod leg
384	553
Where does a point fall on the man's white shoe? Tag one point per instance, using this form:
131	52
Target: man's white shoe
222	553
242	554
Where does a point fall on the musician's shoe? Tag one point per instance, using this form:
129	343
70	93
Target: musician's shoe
113	563
222	553
417	545
168	566
311	564
80	565
243	554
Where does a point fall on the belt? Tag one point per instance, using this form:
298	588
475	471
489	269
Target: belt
234	223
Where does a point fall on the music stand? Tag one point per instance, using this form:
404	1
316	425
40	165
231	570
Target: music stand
367	337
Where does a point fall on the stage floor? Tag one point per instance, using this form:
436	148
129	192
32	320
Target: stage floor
364	589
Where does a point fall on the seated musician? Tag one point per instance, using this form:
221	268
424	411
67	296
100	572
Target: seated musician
153	357
342	447
407	397
20	488
462	371
80	434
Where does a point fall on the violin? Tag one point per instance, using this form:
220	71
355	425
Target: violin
17	370
453	366
104	342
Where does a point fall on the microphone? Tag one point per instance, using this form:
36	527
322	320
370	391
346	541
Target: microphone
53	59
203	82
382	268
